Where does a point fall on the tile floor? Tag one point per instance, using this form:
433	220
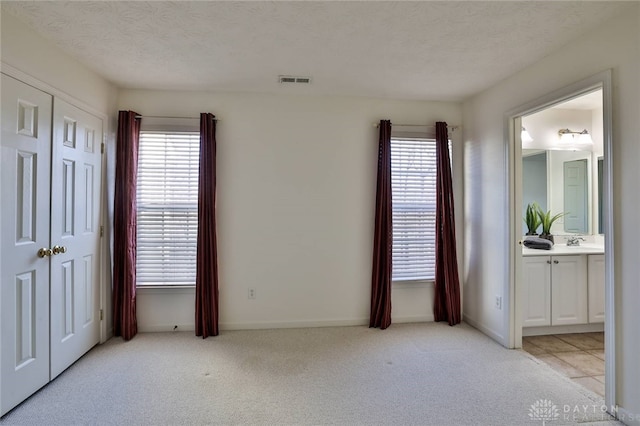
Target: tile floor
579	356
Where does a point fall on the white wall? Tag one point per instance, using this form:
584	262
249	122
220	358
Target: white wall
29	52
29	57
615	45
296	195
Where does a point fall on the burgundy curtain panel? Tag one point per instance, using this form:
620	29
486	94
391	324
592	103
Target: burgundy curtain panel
207	252
447	285
383	236
125	225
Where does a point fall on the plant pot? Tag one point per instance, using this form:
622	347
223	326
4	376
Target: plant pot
530	233
547	237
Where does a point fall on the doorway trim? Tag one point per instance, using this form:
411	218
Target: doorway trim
512	124
106	330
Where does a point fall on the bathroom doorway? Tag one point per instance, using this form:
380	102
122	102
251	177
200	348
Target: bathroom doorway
559	112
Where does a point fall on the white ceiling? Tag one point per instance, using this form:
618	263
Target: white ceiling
446	50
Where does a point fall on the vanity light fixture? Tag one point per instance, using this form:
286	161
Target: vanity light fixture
571	137
525	136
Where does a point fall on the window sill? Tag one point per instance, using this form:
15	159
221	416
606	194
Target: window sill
413	284
166	289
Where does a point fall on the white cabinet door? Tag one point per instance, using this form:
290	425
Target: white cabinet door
75	227
596	287
24	229
568	290
536	291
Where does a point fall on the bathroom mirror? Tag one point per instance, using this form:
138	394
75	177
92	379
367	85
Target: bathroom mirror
563	181
559	173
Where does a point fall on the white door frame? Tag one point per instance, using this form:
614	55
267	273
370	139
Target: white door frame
512	125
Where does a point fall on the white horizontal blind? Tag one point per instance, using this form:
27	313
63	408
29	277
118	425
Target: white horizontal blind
167	206
413	189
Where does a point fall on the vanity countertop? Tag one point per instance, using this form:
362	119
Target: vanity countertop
563	249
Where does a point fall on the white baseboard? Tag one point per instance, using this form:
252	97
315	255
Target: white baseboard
292	324
230	326
318	323
627	417
486	330
162	328
409	319
562	329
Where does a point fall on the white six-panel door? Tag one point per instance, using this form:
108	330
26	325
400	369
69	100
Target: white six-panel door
49	238
24	286
75	234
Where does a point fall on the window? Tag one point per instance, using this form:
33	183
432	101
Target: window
413	192
167	206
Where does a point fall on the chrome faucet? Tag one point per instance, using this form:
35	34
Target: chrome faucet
574	240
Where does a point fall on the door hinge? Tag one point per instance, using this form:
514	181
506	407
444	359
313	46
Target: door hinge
101	230
102	148
101	314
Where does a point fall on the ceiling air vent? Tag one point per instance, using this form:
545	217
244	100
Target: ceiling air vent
294	79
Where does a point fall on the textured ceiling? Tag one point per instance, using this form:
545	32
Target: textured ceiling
408	50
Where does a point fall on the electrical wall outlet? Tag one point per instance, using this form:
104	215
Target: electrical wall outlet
252	293
499	302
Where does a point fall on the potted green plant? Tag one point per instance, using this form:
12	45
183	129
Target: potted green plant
546	221
531	218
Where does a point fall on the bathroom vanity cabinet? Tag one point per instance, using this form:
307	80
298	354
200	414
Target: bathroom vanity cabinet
595	278
562	290
555	290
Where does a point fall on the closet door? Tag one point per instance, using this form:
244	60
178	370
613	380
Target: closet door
75	234
24	230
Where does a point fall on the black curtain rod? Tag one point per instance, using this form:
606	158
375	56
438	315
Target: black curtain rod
169	117
452	128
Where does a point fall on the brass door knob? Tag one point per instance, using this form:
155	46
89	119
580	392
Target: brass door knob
59	249
44	252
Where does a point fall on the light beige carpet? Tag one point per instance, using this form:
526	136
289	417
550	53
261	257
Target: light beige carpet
409	374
